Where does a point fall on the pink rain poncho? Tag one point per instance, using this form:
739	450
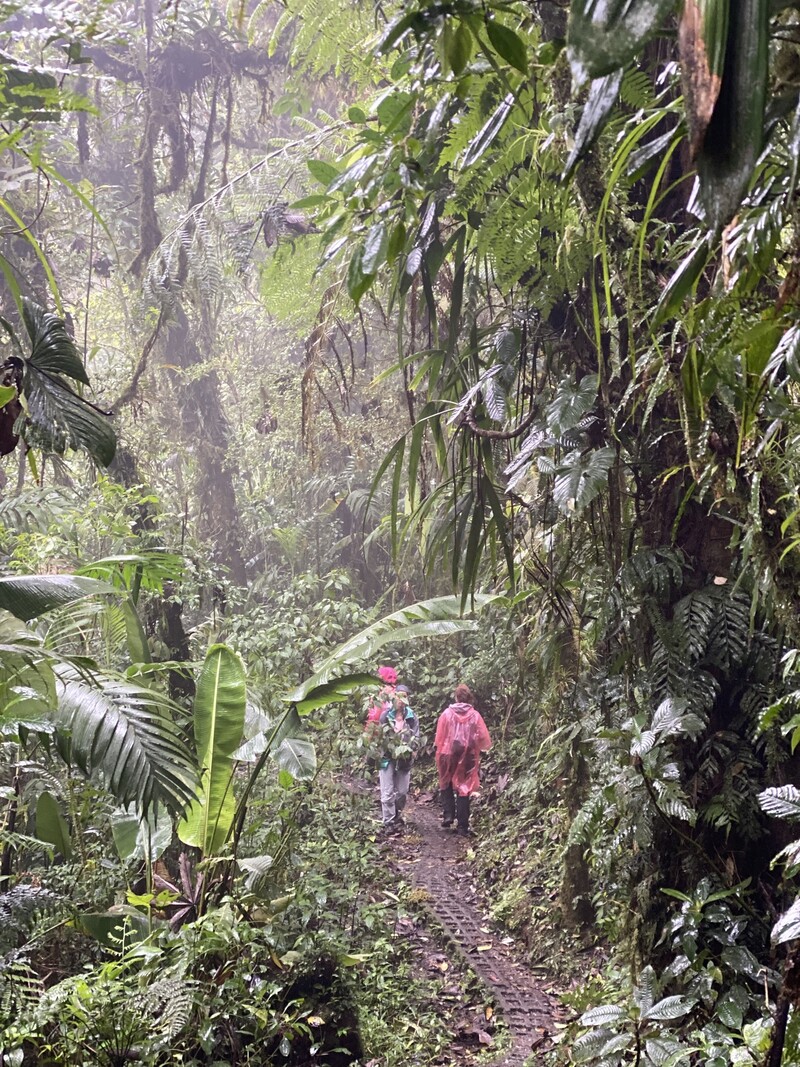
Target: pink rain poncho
461	736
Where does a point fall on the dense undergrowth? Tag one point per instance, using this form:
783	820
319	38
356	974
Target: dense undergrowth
331	971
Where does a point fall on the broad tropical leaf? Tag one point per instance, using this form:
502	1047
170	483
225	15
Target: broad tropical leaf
31	596
734	136
782	801
427	618
219	714
124	733
52	349
297	756
51	825
57	417
139	838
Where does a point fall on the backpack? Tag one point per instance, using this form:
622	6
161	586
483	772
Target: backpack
462	734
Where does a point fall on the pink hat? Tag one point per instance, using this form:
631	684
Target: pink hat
388	675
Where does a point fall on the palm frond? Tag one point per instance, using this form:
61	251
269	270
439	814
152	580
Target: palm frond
124	733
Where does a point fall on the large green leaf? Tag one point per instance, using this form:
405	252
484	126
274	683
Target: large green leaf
30	596
335	691
219	714
606	34
59	418
124	733
735	134
427	618
138	838
297	756
51	825
52	348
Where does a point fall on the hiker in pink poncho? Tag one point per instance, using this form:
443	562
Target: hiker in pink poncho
388	675
461	736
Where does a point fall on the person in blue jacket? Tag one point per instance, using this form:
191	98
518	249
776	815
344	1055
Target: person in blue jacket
400	738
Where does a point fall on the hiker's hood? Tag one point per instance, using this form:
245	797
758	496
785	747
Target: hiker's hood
461	709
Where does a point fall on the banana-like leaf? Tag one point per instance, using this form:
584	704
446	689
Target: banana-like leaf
734	137
219	714
124	733
51	825
335	691
702	36
30	596
606	34
427	618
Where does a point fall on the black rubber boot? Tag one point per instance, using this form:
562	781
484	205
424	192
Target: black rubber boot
462	815
448	806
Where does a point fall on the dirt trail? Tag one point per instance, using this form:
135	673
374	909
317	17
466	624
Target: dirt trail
436	861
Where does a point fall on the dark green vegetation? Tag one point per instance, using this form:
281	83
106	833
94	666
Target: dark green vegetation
504	301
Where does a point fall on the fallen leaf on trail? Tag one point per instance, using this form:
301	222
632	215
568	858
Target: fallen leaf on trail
315	1020
485	948
484	1038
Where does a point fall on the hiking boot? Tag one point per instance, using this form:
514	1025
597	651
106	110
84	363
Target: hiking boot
447	823
464	831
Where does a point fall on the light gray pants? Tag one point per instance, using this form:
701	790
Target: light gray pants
394	790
